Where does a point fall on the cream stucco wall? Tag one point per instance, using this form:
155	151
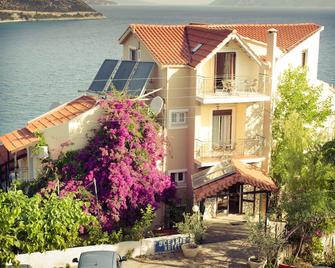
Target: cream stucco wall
73	134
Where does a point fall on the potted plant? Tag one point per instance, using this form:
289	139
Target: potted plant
193	226
266	245
41	148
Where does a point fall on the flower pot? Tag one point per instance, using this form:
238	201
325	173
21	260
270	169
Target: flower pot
286	266
254	263
190	250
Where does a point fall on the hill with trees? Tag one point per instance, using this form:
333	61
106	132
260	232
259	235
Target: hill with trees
26	10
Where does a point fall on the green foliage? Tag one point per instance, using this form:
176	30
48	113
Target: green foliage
41	142
192	225
297	97
307	198
328	152
42	223
142	227
265	241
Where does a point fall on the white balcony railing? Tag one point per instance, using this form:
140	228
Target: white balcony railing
210	151
209	87
22	174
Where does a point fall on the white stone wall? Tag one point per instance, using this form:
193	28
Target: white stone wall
59	258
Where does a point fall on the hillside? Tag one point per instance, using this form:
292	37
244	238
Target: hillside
100	2
275	3
30	10
46	5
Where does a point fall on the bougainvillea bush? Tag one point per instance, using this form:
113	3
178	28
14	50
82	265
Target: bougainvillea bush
118	167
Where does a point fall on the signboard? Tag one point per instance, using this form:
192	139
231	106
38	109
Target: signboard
170	244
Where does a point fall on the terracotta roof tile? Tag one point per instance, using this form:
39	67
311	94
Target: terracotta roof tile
20	139
173	44
62	114
245	174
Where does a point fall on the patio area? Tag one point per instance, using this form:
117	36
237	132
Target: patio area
224	246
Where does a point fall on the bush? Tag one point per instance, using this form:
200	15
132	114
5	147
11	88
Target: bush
118	166
142	227
193	226
42	223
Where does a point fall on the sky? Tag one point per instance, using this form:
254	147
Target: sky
180	2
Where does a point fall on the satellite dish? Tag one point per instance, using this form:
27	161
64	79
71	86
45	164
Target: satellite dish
54	105
156	105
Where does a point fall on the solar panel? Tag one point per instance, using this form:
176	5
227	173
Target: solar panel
102	77
140	78
122	74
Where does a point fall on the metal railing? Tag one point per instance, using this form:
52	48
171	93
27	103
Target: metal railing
232	86
22	174
243	147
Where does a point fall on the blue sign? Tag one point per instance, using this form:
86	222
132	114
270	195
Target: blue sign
170	245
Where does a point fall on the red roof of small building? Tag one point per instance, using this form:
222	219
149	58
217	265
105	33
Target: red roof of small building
173	44
22	138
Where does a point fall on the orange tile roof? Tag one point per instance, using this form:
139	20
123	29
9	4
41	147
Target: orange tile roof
173	44
62	114
20	139
245	174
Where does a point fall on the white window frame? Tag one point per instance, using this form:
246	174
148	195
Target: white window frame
178	124
130	49
179	184
233	125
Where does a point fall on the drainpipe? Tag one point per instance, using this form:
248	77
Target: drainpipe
269	90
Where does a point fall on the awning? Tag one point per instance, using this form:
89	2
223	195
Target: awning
214	180
18	140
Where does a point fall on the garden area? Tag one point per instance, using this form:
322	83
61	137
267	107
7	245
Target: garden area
303	166
103	193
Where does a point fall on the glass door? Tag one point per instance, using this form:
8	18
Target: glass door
222	129
225	70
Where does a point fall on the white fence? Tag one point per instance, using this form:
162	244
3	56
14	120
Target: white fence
59	258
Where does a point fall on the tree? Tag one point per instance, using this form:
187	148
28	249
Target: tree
297	163
118	167
295	95
42	223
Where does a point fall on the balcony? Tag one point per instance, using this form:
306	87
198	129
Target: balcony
209	154
215	90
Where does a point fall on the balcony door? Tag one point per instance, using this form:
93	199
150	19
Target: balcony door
222	129
225	67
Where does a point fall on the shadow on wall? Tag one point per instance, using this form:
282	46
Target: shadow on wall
254	120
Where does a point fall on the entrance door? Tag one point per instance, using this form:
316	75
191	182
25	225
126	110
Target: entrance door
222	129
234	199
225	68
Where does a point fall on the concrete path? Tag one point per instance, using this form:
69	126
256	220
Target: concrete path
225	246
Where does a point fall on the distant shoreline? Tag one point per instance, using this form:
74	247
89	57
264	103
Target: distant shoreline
15	16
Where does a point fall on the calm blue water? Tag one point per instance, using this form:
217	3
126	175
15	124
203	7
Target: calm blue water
46	62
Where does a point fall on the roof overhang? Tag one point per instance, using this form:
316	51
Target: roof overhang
214	180
230	37
18	140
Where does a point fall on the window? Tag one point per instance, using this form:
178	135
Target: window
178	118
134	54
179	177
222	128
304	58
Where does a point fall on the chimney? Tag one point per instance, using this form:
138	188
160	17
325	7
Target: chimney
271	40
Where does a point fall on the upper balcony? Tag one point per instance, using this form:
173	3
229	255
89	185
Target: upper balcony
208	153
216	90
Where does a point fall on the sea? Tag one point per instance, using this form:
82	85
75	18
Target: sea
49	62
